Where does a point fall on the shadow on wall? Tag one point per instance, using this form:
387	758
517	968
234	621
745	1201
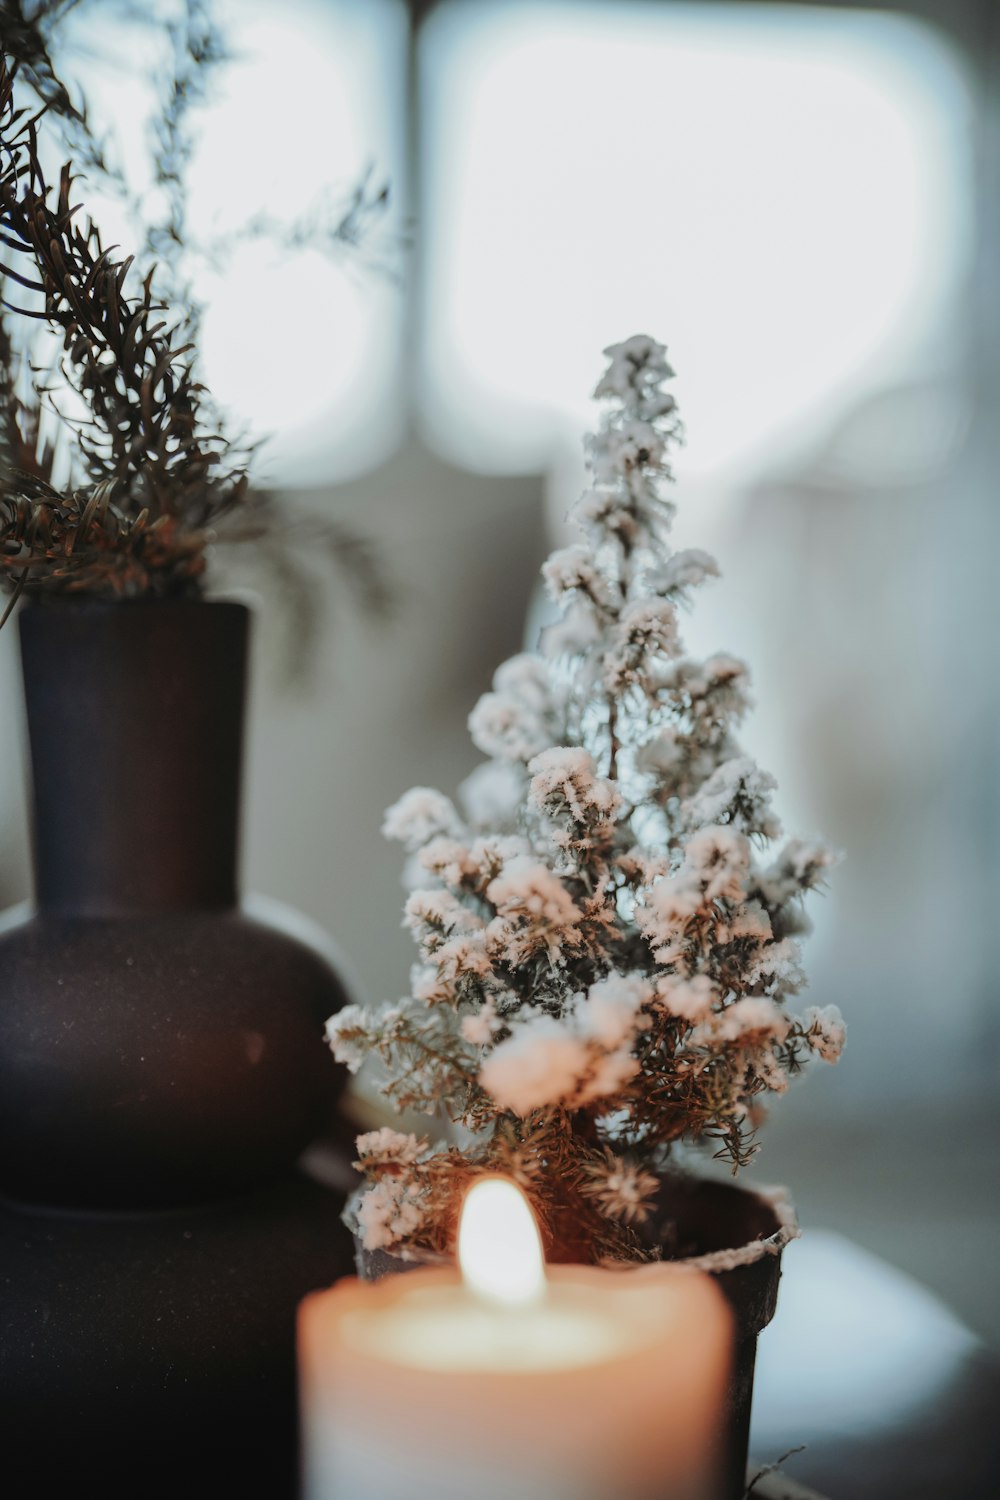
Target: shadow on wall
387	706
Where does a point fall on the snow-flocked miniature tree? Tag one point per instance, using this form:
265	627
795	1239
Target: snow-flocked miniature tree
607	940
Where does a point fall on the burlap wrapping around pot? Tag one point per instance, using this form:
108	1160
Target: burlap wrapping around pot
779	1202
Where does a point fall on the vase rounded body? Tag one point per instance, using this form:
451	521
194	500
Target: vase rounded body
159	1043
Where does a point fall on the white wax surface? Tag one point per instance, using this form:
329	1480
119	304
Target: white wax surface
611	1387
448	1328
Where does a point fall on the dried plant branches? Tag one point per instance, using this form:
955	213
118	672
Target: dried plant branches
150	477
606	934
26	31
156	475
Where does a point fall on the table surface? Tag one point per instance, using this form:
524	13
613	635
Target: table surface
890	1396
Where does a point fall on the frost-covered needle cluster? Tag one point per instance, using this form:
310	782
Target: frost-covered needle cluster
607	932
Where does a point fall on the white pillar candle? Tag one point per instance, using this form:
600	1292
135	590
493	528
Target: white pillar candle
499	1382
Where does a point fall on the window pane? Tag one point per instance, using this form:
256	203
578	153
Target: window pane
299	345
781	193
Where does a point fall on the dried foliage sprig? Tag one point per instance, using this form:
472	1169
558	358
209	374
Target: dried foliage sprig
27	33
605	949
154	479
293	556
354	224
156	476
198	50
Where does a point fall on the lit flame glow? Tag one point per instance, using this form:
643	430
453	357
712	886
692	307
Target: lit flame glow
499	1249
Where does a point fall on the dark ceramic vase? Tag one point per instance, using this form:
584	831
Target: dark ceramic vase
162	1068
734	1235
158	1043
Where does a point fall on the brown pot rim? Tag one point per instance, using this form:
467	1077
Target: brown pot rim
747	1254
375	1263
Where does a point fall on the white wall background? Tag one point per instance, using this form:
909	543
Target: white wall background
789	197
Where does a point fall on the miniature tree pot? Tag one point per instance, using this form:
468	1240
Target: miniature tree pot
735	1235
160	1043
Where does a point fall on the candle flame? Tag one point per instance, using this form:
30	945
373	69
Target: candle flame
499	1248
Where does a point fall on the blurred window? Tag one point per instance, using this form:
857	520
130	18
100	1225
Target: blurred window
783	193
300	345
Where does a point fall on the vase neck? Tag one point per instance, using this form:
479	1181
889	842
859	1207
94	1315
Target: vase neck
135	722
